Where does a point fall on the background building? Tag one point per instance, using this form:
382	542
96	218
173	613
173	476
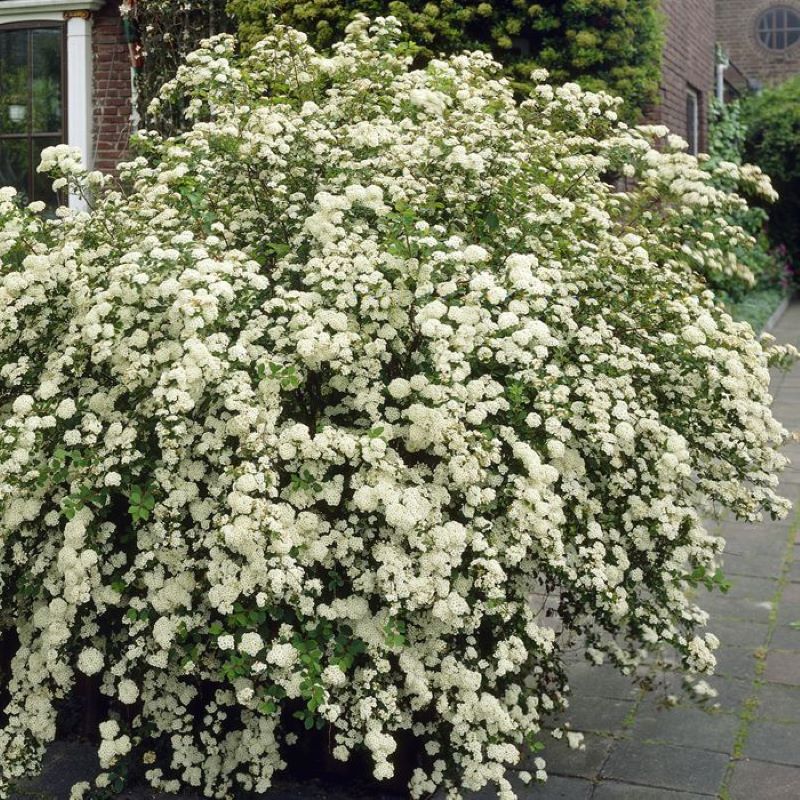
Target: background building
761	37
687	70
65	76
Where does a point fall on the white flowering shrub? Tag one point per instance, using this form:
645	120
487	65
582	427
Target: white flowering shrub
351	407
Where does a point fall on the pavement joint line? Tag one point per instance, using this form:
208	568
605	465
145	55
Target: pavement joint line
627	723
750	704
700	748
768	761
670	789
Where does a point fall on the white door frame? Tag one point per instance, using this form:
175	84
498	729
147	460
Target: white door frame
79	90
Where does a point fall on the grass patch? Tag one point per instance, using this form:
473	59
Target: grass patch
757	306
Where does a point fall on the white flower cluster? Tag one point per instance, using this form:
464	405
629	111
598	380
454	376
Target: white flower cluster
67	165
304	418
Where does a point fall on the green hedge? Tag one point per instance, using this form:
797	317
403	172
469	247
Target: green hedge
773	142
608	44
602	44
728	133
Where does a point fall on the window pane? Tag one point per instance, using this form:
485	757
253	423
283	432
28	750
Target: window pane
779	28
42	184
14	169
46	85
14	108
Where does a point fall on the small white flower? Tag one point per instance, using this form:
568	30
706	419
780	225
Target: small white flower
250	643
112	479
90	661
127	691
575	740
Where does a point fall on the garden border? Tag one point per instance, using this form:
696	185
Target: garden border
776	315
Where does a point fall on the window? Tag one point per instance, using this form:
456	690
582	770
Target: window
31	105
693	120
779	28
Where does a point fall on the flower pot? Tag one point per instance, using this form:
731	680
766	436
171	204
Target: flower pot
17	113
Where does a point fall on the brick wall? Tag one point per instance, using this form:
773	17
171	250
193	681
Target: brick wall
112	88
688	63
736	32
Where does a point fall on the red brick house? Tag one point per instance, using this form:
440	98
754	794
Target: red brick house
688	69
65	76
761	38
723	49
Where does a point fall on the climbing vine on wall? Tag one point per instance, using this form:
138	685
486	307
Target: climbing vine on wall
166	30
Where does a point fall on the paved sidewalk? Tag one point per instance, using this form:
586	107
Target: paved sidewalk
747	750
750	748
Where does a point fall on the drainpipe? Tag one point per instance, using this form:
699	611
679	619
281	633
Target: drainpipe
723	62
131	33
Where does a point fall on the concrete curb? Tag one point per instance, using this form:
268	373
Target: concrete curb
776	315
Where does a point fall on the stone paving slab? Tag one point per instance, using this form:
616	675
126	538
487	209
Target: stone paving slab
610	790
662	766
586	763
588	680
761	780
600	715
776	742
783	666
67	763
557	787
732	693
738	662
735	564
778	703
688	727
734	634
787	636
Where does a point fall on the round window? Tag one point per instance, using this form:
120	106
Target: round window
779	28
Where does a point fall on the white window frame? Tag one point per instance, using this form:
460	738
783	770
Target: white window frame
79	97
